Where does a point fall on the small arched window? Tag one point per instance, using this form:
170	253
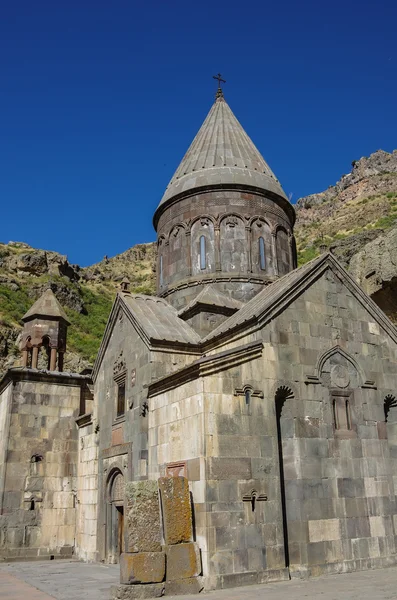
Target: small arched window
262	255
247	395
203	261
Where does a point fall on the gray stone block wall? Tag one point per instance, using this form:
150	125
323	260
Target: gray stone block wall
325	371
39	472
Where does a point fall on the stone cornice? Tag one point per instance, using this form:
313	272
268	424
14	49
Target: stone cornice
206	365
25	374
84	420
210	278
279	200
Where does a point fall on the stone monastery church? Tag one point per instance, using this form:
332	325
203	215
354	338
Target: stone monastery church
271	389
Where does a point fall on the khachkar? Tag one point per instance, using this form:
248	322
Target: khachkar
161	557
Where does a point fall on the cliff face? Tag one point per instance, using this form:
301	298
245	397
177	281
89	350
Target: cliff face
356	219
85	293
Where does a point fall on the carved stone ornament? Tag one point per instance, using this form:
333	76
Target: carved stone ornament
120	317
144	408
119	366
253	497
253	393
204	222
340	376
176	231
232	221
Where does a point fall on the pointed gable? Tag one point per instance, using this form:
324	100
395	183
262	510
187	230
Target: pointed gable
46	306
278	295
158	319
210	297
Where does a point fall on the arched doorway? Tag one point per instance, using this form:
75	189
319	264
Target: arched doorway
115	516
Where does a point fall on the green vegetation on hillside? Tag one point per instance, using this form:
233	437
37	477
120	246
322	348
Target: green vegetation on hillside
327	223
86	330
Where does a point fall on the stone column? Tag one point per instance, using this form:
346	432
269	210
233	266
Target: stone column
189	252
53	359
35	357
217	241
274	250
249	249
24	358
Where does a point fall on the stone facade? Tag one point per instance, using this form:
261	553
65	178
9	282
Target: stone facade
276	426
39	460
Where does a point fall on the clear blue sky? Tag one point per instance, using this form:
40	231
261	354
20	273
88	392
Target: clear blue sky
100	100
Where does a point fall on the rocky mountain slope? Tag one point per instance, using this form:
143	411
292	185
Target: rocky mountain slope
356	219
85	293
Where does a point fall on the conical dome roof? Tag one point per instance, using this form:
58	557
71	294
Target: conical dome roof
46	306
222	154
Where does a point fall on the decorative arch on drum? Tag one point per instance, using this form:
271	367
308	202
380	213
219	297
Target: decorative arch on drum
202	234
283	250
233	244
262	253
177	266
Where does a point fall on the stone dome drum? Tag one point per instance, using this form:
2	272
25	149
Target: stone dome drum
224	218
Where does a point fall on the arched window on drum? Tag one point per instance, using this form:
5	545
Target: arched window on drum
203	258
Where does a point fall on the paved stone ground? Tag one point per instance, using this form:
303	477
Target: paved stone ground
72	580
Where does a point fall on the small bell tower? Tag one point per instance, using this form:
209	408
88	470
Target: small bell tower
44	334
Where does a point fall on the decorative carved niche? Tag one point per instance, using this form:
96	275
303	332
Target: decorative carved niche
119	367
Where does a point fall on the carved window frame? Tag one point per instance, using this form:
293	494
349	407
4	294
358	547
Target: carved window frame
120	379
343	399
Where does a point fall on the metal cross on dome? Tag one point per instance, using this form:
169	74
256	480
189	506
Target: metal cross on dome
219	92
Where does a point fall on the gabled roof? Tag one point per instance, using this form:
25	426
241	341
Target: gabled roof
211	297
159	319
222	153
46	306
156	322
278	295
